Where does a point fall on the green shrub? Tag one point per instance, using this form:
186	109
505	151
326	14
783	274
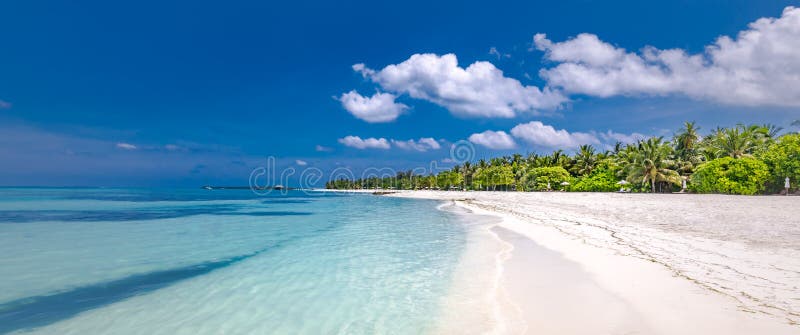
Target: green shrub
783	160
745	175
537	178
494	177
600	180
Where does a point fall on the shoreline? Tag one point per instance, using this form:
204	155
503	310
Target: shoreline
477	300
622	290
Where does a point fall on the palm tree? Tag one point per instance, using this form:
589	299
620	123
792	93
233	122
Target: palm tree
468	170
518	170
766	130
648	163
516	158
686	140
478	172
557	158
456	170
617	147
585	160
533	160
735	142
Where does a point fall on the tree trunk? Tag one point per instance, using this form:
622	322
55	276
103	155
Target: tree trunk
653	185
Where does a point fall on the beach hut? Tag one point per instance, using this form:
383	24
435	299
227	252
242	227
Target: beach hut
564	185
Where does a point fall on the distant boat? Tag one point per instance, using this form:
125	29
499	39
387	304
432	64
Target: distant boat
277	187
208	187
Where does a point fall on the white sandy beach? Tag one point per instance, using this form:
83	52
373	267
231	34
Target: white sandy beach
600	263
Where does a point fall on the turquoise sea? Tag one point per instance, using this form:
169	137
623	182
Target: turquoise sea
195	261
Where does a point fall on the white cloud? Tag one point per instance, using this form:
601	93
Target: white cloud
126	146
586	48
494	52
423	144
301	162
479	90
611	137
361	68
321	148
5	104
547	136
430	142
368	143
759	67
493	140
380	107
539	134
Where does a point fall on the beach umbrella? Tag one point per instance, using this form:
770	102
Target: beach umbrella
622	184
787	185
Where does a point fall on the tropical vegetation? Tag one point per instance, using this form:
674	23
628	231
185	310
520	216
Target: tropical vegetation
745	159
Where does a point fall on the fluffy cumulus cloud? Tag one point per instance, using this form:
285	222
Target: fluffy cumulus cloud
380	107
479	90
498	140
759	67
422	145
539	134
368	143
126	146
546	136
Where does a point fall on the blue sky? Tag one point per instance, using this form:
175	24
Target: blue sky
157	93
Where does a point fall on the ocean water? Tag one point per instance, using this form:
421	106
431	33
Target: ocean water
141	261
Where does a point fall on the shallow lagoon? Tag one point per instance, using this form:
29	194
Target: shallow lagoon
136	261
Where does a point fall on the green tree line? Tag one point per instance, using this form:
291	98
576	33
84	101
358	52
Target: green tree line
745	159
